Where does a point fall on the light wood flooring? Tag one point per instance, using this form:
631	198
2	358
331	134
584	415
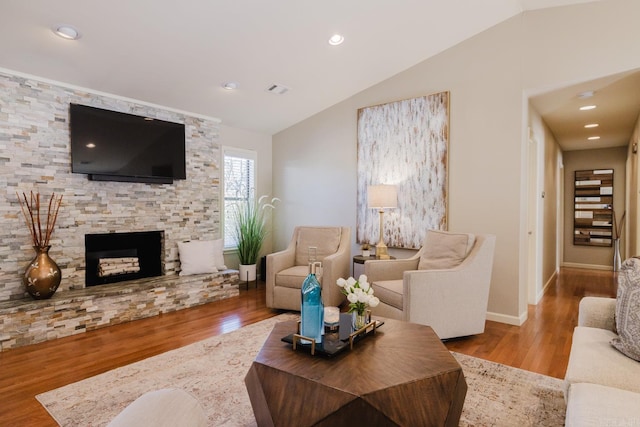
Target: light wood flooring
541	345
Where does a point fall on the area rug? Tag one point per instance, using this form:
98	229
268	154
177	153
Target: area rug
213	370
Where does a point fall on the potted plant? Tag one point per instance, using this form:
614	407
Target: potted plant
366	249
250	231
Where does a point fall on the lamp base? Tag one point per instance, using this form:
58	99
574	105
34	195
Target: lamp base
381	251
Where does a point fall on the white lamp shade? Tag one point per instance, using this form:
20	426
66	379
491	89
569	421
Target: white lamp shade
382	196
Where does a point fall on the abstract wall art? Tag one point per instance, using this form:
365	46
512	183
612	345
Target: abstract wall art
404	143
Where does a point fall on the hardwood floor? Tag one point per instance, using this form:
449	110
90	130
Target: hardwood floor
541	345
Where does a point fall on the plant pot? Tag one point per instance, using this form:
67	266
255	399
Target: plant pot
247	272
42	276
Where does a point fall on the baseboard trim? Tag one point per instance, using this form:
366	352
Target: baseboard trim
587	266
509	320
546	286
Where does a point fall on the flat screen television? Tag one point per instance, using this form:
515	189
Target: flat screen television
113	146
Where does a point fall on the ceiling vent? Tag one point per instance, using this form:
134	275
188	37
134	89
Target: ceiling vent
277	89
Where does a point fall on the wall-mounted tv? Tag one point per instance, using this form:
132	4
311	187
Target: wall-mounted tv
113	146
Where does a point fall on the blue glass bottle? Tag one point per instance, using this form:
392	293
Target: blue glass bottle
312	310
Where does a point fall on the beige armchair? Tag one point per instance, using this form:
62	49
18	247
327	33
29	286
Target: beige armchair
445	285
287	269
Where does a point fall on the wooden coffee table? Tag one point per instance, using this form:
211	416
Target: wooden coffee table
402	375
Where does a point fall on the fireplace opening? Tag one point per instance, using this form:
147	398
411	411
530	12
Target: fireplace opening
116	257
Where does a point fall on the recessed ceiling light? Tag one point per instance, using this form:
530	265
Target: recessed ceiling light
91	145
591	125
230	86
593	138
67	32
336	39
587	107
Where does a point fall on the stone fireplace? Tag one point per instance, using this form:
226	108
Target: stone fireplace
36	156
118	257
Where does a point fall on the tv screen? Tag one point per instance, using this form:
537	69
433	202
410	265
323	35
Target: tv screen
114	146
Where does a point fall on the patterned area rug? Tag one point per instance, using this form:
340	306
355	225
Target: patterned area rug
213	370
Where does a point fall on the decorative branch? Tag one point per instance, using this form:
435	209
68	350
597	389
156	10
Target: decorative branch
31	211
617	226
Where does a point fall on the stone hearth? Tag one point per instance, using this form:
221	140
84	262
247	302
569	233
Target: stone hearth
28	321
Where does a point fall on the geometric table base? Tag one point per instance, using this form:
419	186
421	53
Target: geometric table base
403	375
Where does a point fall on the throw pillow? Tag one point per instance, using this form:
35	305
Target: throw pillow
444	250
628	310
196	257
218	254
326	240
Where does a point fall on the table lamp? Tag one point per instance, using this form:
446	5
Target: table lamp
382	197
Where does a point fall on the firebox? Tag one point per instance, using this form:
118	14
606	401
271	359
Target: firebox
116	257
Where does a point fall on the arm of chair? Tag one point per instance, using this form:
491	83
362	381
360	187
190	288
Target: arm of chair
453	302
277	262
597	312
335	266
392	269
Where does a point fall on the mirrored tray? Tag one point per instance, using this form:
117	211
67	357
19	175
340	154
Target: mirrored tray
333	342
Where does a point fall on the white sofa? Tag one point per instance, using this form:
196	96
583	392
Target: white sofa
602	385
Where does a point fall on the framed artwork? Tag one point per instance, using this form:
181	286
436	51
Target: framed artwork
593	207
404	143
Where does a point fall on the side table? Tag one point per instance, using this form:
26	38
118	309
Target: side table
358	261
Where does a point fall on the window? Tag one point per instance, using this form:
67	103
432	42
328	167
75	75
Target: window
239	186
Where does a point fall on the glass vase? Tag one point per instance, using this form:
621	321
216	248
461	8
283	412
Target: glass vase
42	276
360	320
617	260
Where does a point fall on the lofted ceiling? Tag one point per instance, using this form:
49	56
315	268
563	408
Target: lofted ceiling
178	53
617	101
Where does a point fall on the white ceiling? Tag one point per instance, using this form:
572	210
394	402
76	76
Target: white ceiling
177	53
617	99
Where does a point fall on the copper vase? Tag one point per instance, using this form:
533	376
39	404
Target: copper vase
42	276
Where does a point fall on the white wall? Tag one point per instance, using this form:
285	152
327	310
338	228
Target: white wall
631	230
548	196
487	77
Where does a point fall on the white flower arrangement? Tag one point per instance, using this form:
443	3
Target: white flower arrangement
359	294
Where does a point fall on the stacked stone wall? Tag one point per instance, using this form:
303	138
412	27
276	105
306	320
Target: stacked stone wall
35	155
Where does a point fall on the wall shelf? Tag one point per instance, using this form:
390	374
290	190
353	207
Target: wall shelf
593	207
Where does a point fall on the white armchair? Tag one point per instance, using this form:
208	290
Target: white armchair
287	269
445	285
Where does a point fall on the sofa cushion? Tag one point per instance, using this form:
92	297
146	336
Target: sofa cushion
389	292
597	405
594	360
294	276
444	250
628	310
325	239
